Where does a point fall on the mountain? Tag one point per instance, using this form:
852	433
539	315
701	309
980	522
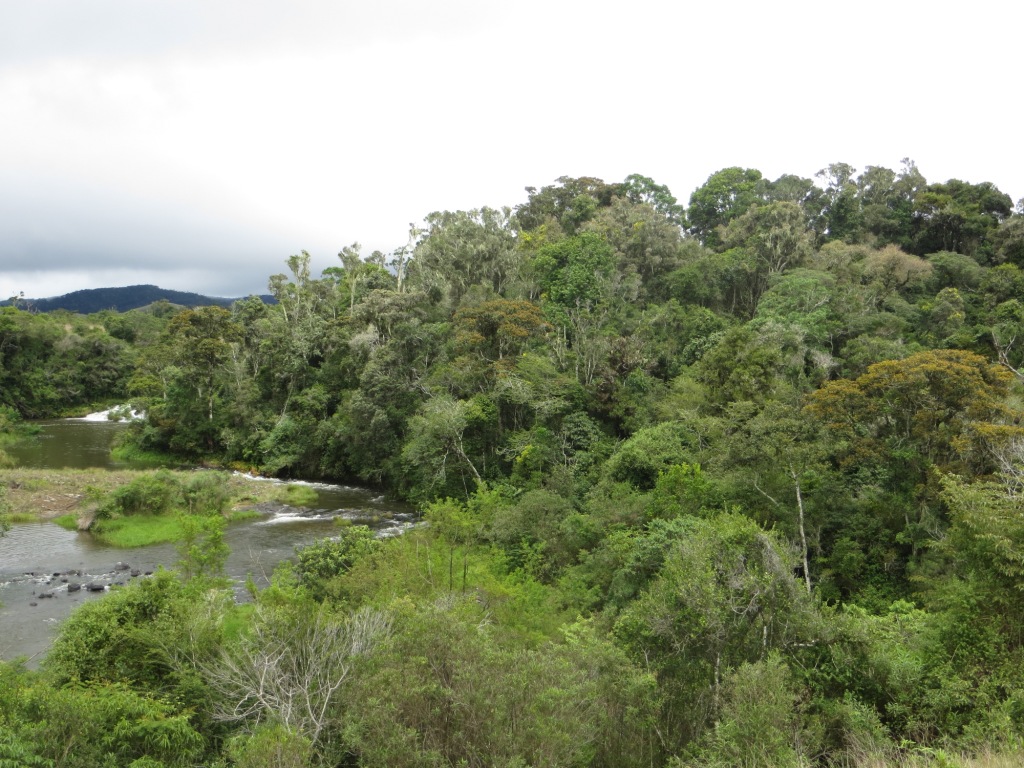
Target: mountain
92	300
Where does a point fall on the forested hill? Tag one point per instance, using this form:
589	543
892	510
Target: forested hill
738	482
123	299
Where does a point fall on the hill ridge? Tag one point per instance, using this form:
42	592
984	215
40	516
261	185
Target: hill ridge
121	299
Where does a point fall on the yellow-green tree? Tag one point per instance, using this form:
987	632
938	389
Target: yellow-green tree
934	407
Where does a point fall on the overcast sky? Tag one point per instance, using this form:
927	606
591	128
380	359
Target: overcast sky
196	144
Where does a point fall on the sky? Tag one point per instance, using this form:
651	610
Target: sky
196	144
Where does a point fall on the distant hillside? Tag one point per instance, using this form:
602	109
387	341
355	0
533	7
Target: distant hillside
123	299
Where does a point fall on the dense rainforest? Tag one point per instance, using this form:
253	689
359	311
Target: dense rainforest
737	483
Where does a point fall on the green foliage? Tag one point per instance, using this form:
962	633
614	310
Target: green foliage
726	195
725	595
201	547
270	746
759	723
684	489
139	531
206	493
660	530
319	563
573	273
449	690
437	447
296	495
160	492
126	636
462	249
51	363
98	725
642	458
149	494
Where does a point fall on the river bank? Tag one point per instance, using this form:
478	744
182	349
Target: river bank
41	561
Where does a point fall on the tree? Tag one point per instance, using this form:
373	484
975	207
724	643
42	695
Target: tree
890	270
961	217
575	279
465	248
778	446
841	212
759	724
726	595
320	562
290	666
929	405
643	189
775	233
901	420
760	361
201	548
357	271
1008	241
726	195
436	445
498	329
886	201
986	544
646	244
200	343
568	203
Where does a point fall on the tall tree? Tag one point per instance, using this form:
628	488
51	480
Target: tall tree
465	248
726	195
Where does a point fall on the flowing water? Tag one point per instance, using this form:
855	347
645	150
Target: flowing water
41	563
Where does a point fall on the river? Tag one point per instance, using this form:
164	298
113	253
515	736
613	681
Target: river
38	561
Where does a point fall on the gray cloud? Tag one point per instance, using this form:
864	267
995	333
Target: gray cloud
197	144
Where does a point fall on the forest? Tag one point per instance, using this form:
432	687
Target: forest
731	483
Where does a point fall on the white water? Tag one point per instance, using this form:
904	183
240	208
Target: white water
133	415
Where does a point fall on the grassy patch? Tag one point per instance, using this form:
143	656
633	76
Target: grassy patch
138	530
21	517
297	495
132	455
67	522
240	515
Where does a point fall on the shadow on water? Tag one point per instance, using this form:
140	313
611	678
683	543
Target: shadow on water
41	563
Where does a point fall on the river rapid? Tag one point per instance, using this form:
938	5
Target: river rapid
41	563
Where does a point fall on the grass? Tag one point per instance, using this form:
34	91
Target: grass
67	522
296	495
130	454
240	515
21	517
138	530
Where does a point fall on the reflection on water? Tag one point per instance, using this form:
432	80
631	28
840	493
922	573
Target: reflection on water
38	561
69	444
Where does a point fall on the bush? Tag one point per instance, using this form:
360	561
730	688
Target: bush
322	561
148	494
206	493
759	725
